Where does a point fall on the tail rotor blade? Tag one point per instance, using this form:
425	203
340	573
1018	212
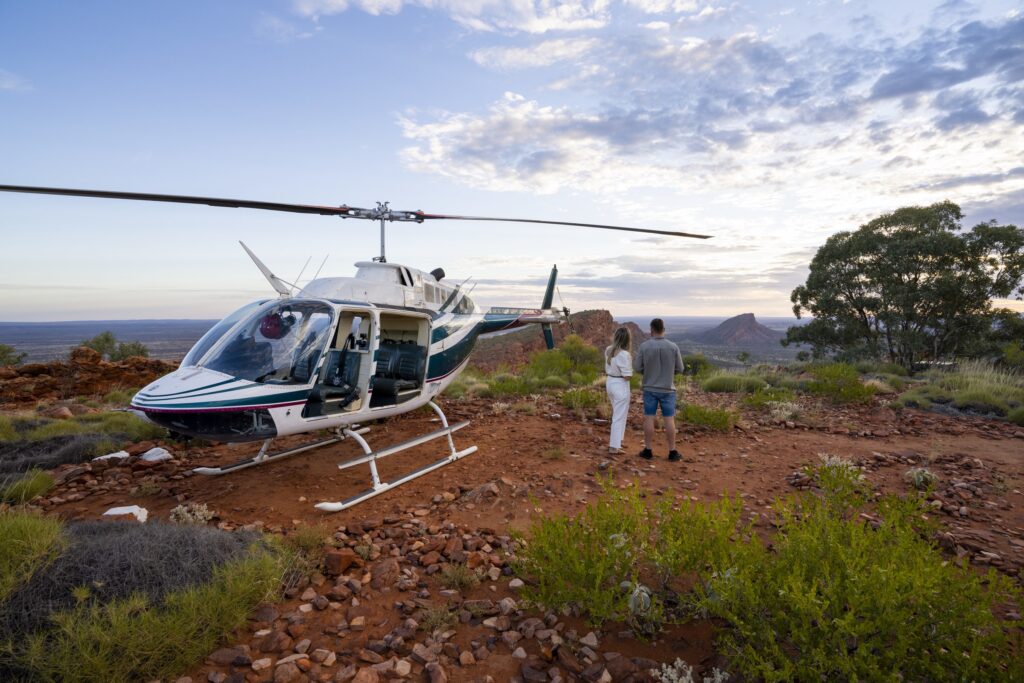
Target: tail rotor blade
549	293
549	336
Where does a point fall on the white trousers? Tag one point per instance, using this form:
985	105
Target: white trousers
618	394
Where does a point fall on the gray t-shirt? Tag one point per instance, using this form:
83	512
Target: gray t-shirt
659	361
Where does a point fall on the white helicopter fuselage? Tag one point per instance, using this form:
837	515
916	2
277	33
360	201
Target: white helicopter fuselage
343	351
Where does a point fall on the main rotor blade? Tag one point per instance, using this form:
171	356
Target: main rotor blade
183	199
673	233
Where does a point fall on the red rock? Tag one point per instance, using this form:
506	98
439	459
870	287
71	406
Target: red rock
339	561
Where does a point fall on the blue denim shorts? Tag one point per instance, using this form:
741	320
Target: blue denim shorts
665	399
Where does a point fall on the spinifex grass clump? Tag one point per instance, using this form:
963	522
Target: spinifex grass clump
109	601
972	387
727	383
835	596
765	396
715	418
840	383
30	485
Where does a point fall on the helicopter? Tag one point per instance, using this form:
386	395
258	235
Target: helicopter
336	354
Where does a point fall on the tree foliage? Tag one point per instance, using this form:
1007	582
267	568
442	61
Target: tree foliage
910	285
10	356
106	344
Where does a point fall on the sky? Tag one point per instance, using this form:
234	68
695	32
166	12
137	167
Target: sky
769	125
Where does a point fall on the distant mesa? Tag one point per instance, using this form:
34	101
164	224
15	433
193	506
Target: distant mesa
740	330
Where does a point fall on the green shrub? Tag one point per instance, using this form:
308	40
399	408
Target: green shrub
32	484
10	356
837	595
119	396
696	365
581	399
553	382
436	618
699	538
457	577
733	383
574	361
550	363
126	350
583	358
581	561
135	639
106	344
30	542
841	600
1012	356
508	385
764	396
840	383
1016	416
715	418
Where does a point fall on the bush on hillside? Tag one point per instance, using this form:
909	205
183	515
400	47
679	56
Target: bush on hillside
107	345
10	356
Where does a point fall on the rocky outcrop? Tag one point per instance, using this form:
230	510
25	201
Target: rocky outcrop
741	330
85	373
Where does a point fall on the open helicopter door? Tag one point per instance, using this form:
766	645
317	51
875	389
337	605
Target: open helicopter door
343	383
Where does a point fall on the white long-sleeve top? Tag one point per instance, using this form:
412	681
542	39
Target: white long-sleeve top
621	365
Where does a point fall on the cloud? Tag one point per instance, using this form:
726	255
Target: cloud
11	81
530	16
541	54
941	59
974	179
275	29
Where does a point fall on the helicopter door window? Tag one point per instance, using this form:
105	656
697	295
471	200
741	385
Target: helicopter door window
280	344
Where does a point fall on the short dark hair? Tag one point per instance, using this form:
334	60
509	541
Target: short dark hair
657	326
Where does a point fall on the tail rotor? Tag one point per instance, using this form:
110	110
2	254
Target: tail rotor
549	297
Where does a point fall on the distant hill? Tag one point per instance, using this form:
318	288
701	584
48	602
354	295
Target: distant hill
739	331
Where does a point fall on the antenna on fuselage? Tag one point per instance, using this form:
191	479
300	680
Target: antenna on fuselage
301	272
317	274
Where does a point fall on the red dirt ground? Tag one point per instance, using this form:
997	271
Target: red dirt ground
541	458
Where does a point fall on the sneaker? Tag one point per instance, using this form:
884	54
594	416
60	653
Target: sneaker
646	454
674	456
614	451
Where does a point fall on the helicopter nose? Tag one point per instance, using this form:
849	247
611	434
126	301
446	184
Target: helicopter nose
188	388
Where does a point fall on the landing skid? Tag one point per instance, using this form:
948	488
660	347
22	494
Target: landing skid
371	456
262	458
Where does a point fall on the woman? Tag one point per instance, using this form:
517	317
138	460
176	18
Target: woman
618	366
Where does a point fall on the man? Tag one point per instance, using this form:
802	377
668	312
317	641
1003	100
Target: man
659	361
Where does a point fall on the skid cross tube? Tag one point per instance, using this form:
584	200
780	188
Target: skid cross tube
261	458
370	457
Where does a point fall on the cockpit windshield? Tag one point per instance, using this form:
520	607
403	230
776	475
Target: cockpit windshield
278	343
207	341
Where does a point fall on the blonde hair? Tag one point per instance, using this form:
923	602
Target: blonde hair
620	342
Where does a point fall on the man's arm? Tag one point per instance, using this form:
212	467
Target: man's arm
680	367
638	362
